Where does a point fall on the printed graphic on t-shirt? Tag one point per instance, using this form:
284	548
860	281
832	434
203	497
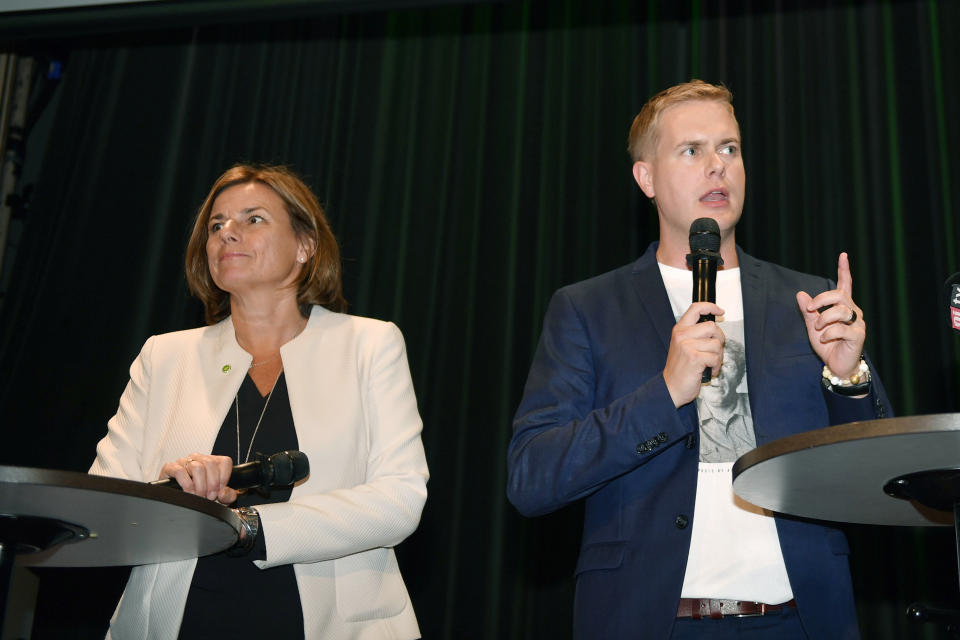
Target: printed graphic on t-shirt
726	425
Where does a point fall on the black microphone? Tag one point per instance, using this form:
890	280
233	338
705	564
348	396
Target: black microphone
704	257
279	470
951	291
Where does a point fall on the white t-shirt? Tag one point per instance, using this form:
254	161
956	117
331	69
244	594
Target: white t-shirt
734	548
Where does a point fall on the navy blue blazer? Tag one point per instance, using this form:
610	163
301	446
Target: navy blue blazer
596	422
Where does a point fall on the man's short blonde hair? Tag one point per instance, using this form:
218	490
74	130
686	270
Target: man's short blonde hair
644	133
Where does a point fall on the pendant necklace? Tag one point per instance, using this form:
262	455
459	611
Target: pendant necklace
257	428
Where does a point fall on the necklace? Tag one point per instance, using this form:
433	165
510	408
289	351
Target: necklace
257	428
257	364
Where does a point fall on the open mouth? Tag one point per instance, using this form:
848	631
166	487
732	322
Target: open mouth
717	195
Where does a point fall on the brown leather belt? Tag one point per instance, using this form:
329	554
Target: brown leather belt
698	608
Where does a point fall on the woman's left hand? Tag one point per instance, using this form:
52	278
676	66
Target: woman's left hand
202	475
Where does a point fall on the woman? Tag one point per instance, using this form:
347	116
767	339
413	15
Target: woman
279	367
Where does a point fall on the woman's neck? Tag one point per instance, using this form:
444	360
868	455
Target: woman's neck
261	329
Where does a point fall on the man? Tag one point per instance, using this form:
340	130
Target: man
610	415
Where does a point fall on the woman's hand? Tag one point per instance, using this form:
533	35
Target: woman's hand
202	475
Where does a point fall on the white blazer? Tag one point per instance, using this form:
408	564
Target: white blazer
355	415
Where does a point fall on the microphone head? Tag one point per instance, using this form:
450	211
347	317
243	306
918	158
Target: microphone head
704	235
289	467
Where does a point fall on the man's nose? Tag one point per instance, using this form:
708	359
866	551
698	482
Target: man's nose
716	165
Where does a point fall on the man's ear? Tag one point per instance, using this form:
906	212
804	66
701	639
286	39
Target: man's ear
642	173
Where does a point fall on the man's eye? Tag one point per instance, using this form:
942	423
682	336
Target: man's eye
689	151
730	150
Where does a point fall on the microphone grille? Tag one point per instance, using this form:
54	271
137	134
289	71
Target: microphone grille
289	467
301	465
704	235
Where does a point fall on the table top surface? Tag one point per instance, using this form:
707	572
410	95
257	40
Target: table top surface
838	473
130	523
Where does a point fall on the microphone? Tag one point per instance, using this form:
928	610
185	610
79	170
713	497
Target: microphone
279	470
704	257
951	291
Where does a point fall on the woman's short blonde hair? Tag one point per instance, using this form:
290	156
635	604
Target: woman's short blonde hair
321	278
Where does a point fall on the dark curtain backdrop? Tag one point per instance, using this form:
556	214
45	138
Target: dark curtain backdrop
472	160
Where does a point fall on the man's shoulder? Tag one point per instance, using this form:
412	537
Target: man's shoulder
598	285
617	280
778	276
609	292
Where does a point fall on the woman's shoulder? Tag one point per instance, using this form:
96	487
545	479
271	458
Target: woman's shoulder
203	342
344	332
187	336
326	320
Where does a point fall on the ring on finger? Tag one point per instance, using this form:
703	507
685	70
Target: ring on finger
853	317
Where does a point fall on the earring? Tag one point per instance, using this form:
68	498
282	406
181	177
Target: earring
301	259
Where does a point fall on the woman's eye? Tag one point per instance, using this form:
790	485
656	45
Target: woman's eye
255	219
216	226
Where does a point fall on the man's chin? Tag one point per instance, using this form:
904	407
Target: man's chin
727	218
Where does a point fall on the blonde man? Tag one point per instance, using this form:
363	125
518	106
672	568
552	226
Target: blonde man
610	410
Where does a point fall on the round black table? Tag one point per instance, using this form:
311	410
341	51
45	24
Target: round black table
896	471
68	519
840	473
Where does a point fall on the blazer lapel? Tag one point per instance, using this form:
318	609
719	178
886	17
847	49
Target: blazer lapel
648	284
225	365
206	373
754	290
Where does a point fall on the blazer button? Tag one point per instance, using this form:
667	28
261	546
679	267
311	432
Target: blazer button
691	440
661	437
643	447
681	521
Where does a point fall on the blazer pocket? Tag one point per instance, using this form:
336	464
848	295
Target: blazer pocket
789	358
788	348
605	555
803	366
369	586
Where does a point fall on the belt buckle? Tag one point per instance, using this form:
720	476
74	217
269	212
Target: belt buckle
764	609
